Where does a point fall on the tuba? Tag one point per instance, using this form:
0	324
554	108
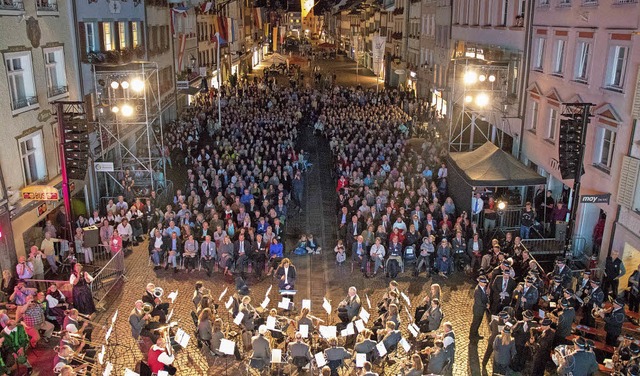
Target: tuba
147	308
158	292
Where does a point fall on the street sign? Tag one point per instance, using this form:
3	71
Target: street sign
595	199
103	166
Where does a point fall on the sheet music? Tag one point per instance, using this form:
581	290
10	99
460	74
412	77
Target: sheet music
128	372
238	319
224	292
229	302
368	301
115	316
328	331
306	303
541	313
284	304
265	302
350	330
163	373
304	330
320	360
170	315
182	338
405	345
382	351
412	330
271	322
227	347
268	290
108	369
173	295
406	298
360	360
108	334
364	315
327	306
359	325
276	356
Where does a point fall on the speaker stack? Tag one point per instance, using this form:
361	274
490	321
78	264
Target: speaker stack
569	147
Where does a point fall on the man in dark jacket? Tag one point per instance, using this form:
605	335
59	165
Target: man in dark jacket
543	346
502	291
480	305
565	320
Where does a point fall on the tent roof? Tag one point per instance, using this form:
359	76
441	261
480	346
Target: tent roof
490	166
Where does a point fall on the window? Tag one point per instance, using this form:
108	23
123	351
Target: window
616	66
122	35
92	37
107	33
539	58
558	59
535	107
504	14
55	72
605	144
34	165
135	34
22	88
583	56
553	124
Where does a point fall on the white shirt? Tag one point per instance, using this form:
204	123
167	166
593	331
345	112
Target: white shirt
377	250
286	275
87	277
476	205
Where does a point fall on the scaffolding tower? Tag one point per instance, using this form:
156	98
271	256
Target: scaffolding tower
128	115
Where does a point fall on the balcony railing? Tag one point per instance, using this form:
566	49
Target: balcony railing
564	3
24	102
46	6
55	91
625	1
589	2
12	5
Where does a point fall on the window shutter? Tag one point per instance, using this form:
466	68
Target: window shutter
636	99
82	34
100	32
628	180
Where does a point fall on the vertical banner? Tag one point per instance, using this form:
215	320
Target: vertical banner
275	38
378	53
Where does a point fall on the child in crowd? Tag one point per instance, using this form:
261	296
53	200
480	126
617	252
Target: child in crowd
341	256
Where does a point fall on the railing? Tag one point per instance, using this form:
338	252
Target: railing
47	6
54	91
564	3
546	246
107	278
12	5
63	285
23	102
625	1
589	2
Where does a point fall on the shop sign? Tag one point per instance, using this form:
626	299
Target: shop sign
40	193
596	199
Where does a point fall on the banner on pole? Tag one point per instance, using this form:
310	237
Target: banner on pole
379	43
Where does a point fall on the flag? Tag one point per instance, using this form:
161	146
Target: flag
217	38
207	7
175	12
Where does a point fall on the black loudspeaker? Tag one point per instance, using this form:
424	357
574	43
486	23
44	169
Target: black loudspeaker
91	236
569	146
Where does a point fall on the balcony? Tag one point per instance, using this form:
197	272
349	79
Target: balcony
46	7
11	7
589	3
621	2
54	92
24	104
123	56
397	35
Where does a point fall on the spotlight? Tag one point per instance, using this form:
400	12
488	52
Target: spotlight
470	77
482	100
501	205
137	84
125	84
127	110
492	78
482	78
115	109
114	85
468	99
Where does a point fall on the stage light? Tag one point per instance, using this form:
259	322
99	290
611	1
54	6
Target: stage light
115	109
127	110
482	100
501	205
114	85
492	78
137	84
482	78
470	77
468	99
125	84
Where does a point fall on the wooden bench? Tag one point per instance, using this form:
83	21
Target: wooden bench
596	344
632	314
605	370
589	330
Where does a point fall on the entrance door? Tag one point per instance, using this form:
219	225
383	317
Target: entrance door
631	260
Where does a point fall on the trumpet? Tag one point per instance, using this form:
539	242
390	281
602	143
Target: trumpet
147	308
82	338
597	311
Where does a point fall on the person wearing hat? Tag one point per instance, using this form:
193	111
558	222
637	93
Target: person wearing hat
613	270
521	333
583	286
554	292
543	346
563	271
502	290
565	320
581	362
525	296
480	305
495	327
261	356
504	350
628	353
595	299
613	321
569	295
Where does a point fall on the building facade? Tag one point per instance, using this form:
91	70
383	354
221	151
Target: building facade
587	54
38	51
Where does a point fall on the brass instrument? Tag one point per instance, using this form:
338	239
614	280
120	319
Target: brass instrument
158	292
81	339
560	353
586	300
85	318
147	308
597	311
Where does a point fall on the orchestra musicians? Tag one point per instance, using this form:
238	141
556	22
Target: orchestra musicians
299	352
613	320
542	347
581	362
437	358
335	356
159	309
583	287
564	322
431	319
349	308
502	291
261	356
365	345
563	271
595	299
161	357
526	296
139	320
304	320
71	323
504	349
249	313
521	333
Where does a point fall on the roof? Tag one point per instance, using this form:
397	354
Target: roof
490	166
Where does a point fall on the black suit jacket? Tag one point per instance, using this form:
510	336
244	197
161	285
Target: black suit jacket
168	242
480	300
291	277
247	248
